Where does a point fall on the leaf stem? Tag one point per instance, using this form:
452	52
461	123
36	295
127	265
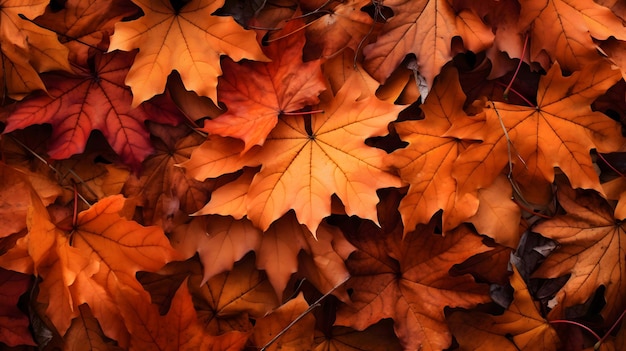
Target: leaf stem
610	165
597	345
315	304
508	88
565	321
518	94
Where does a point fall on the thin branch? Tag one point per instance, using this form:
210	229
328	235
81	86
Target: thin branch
597	345
316	304
565	321
508	88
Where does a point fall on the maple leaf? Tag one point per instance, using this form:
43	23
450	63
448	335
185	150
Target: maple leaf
13	322
14	200
299	336
86	332
378	337
93	98
83	25
427	162
106	251
278	254
564	29
256	93
178	330
498	216
408	280
162	190
228	300
435	23
60	265
304	163
591	249
219	241
520	327
563	114
27	48
344	25
187	38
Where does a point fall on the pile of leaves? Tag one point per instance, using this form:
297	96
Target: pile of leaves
313	174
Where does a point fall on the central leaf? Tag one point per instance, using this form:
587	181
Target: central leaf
301	172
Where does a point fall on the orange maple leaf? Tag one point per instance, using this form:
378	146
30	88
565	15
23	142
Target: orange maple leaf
520	327
179	329
228	300
565	29
84	24
26	48
591	248
256	93
427	162
102	254
559	132
305	161
93	98
162	191
435	23
408	280
13	322
344	25
298	336
323	264
187	38
285	248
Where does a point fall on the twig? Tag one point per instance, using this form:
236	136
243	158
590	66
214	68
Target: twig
315	304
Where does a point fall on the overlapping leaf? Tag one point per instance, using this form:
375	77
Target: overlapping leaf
520	327
181	36
26	48
93	98
426	164
408	281
256	93
304	161
592	247
435	23
559	132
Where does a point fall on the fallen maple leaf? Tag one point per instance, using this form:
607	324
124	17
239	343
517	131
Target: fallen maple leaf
280	246
498	216
93	98
591	248
83	25
559	132
520	327
228	300
162	192
27	48
256	93
297	337
185	37
565	29
435	23
178	330
408	280
305	161
378	337
102	254
85	332
427	162
13	322
219	241
343	26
